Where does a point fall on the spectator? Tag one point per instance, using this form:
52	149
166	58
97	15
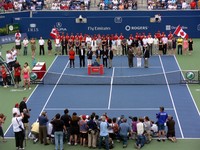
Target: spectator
2	121
89	56
180	45
130	57
58	127
74	129
162	118
82	56
140	134
104	133
184	5
57	45
4	76
49	46
71	57
92	132
18	45
33	46
147	129
43	119
66	118
41	44
174	45
190	45
17	74
83	130
110	57
185	46
146	56
105	57
171	129
134	127
124	131
64	46
25	44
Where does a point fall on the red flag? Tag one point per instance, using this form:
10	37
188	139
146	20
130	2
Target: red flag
54	33
179	32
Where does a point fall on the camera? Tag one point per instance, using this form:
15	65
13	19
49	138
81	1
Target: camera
130	117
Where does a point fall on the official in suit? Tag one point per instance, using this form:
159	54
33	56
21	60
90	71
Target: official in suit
110	57
64	46
82	56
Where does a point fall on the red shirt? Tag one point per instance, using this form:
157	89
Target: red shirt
18	71
193	5
3	73
71	54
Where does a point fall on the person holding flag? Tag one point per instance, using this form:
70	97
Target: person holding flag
54	33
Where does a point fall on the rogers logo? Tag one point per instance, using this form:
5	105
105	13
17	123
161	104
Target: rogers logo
128	27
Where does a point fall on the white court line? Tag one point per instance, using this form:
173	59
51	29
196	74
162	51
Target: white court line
171	97
188	87
31	94
128	109
111	86
54	88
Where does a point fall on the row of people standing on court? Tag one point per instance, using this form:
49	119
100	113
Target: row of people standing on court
106	55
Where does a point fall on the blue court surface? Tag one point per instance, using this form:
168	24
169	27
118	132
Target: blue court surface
120	91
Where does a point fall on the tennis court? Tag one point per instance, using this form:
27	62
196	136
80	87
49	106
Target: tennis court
121	90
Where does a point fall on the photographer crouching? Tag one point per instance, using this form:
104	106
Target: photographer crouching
2	120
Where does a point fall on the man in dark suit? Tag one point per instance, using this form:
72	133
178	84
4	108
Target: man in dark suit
82	56
130	57
110	57
98	55
23	105
105	57
64	46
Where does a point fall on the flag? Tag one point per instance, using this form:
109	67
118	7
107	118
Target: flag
54	33
179	32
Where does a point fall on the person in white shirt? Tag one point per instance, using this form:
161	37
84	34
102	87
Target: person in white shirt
140	134
155	45
88	40
9	59
41	44
119	46
18	45
14	54
165	41
18	128
57	46
150	43
25	44
16	109
17	35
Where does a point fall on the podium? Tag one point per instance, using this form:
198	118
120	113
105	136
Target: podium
39	69
95	70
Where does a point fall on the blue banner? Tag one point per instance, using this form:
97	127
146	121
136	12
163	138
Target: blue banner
36	27
10	38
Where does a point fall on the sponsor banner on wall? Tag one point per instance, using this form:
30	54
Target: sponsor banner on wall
36	27
10	38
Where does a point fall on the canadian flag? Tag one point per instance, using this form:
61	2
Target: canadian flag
179	32
54	33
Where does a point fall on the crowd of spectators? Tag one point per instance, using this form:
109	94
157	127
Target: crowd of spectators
94	131
21	5
117	5
172	4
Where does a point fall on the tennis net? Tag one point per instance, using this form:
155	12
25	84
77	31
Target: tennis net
173	77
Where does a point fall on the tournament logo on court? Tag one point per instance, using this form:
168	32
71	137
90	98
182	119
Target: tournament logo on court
190	75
